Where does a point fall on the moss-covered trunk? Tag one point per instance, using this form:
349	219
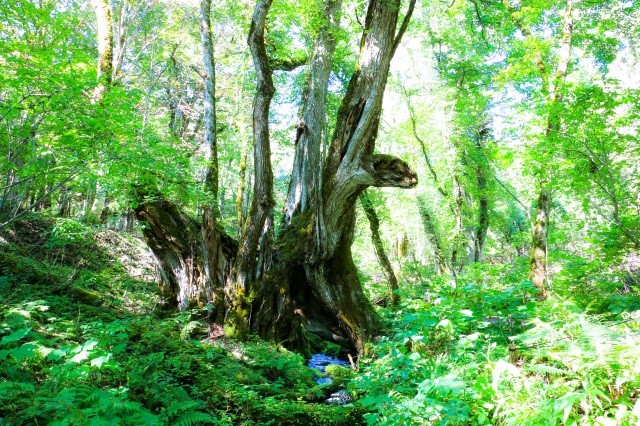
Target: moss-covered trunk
314	284
304	278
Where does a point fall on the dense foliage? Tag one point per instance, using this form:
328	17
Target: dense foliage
83	343
506	281
486	353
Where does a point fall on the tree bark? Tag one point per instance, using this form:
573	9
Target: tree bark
102	9
305	278
237	322
311	130
317	284
383	259
188	280
105	72
213	235
538	260
482	221
209	76
432	234
551	86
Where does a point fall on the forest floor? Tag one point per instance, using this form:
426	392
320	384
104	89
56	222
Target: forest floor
85	339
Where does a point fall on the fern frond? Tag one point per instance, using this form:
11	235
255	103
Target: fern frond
194	418
177	407
144	418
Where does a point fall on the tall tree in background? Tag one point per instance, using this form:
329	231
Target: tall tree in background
104	21
551	88
461	180
381	254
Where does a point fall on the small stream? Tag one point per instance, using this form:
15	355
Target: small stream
320	362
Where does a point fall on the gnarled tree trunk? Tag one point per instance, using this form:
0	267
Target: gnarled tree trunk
317	284
304	278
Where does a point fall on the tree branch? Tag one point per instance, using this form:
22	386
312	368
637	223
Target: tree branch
262	202
423	146
403	26
288	64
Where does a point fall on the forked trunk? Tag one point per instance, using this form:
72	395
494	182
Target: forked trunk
305	278
314	283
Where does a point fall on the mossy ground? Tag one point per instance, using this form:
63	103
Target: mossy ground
85	340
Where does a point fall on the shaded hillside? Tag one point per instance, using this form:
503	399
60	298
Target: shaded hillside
85	340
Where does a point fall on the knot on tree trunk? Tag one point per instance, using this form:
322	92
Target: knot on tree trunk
392	171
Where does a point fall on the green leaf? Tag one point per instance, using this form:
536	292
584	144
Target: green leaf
565	404
373	401
98	362
15	336
58	354
28	350
83	351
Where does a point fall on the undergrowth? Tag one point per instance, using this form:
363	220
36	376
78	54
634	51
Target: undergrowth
487	353
82	342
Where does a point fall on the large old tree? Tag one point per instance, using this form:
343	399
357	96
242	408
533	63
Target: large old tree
303	278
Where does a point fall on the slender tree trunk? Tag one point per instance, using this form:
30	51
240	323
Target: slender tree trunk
65	204
210	137
304	188
441	261
217	264
240	195
480	231
90	199
102	9
482	222
538	259
104	20
401	246
120	41
106	209
383	259
237	322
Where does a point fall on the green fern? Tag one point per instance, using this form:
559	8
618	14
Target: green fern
177	407
193	418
